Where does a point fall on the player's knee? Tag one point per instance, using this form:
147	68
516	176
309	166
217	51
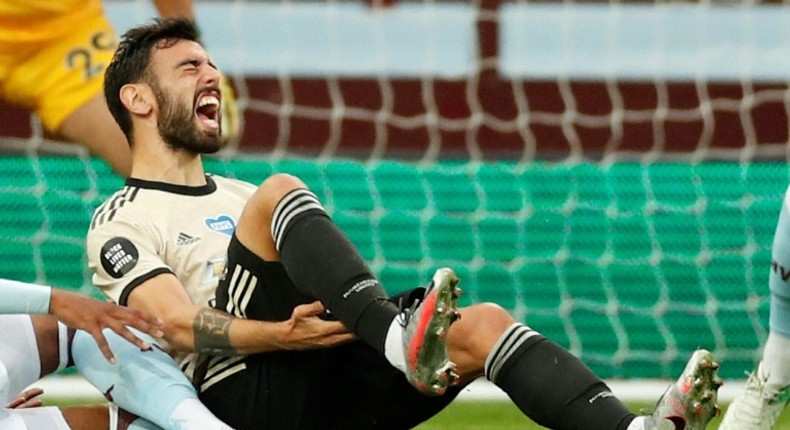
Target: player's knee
485	320
281	184
472	337
273	189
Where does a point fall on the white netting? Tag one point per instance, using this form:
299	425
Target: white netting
560	154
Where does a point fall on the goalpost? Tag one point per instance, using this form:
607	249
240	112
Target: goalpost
610	172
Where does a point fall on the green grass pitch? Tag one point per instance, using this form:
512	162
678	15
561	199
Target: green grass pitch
473	415
494	415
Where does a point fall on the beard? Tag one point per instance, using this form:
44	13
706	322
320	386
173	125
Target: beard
177	126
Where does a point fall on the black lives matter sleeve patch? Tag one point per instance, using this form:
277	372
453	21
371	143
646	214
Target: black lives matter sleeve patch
118	256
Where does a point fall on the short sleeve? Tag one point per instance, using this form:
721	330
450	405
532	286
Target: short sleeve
124	253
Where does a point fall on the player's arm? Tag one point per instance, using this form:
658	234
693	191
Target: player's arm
175	9
93	316
190	327
77	311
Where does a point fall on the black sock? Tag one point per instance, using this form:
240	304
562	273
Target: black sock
323	263
550	385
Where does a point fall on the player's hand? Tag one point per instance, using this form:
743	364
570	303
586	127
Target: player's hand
92	316
306	330
26	399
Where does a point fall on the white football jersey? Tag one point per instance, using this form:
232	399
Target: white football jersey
5	385
20	363
150	228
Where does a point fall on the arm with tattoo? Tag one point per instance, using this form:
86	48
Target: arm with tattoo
220	334
212	332
189	327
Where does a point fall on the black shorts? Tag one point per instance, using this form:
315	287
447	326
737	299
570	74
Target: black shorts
348	387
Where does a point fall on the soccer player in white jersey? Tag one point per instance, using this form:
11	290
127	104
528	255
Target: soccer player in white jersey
160	244
34	344
767	390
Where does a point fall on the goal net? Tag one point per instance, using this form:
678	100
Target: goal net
610	172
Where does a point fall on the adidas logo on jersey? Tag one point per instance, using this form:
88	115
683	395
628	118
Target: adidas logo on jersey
185	239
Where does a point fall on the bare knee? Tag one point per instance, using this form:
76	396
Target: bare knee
273	189
473	336
254	226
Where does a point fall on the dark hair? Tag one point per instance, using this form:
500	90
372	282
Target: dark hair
131	60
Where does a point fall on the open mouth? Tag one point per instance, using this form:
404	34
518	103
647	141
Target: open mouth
207	110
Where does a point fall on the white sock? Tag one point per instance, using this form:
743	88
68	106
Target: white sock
640	423
192	414
776	360
129	421
637	424
393	345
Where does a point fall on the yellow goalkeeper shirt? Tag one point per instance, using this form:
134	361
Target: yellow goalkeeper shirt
36	20
53	54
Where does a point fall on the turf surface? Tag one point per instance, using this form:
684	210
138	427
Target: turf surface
491	415
469	415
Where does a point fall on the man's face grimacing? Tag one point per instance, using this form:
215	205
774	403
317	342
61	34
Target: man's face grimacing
186	86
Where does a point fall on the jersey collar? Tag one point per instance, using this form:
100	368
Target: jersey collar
201	190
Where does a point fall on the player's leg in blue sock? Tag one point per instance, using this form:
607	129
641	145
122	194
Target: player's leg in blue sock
146	383
141	424
767	391
776	356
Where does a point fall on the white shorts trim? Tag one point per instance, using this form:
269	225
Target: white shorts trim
48	417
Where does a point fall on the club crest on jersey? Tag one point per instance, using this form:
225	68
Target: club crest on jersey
223	224
118	256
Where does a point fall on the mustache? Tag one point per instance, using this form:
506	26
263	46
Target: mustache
208	89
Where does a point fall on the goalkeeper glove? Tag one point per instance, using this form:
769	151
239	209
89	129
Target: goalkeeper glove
231	123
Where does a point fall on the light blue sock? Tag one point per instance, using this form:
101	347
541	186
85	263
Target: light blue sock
775	364
141	424
779	279
146	383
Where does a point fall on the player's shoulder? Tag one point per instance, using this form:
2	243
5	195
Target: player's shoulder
115	206
231	184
